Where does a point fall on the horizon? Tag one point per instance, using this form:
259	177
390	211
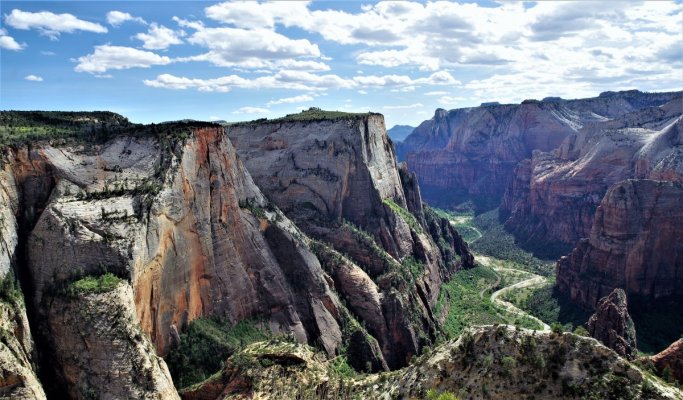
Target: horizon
198	60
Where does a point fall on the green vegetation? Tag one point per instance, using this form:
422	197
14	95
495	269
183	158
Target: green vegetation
204	346
312	114
462	222
499	243
432	394
405	215
9	289
548	305
19	127
468	308
94	284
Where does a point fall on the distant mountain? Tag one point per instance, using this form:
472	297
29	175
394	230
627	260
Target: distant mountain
400	132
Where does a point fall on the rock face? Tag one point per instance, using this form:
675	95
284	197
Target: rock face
103	351
171	210
471	153
484	363
636	243
612	325
338	180
18	378
553	197
671	359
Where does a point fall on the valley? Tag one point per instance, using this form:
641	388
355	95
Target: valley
206	260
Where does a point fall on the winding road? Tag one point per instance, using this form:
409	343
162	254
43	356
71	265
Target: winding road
532	281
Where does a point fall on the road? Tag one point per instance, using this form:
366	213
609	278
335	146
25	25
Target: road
531	281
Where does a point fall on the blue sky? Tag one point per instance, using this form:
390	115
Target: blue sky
157	61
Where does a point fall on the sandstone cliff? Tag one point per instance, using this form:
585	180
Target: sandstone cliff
553	197
470	154
484	363
338	180
171	210
636	243
18	379
612	325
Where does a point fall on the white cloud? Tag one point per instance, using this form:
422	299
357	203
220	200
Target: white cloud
47	53
251	110
297	80
33	78
255	48
50	24
436	93
8	43
108	57
158	37
404	107
116	18
600	42
289	100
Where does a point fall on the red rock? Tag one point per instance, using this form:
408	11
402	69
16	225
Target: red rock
612	325
672	359
636	243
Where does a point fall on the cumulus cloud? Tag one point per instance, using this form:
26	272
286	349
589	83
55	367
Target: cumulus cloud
107	57
158	37
33	78
116	18
249	48
610	41
289	100
251	110
50	24
8	43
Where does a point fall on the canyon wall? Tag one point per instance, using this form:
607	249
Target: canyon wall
553	197
635	243
171	212
338	180
470	154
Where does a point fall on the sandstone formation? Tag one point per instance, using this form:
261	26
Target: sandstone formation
671	359
18	379
338	180
103	351
636	243
491	362
552	199
171	210
612	325
470	153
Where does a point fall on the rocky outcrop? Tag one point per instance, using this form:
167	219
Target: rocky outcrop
491	362
18	379
339	181
553	198
670	360
612	325
636	243
470	154
101	349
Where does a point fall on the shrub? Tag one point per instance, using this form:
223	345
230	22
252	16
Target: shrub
405	215
557	328
204	346
91	284
432	394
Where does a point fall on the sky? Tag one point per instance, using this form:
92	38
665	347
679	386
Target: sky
156	61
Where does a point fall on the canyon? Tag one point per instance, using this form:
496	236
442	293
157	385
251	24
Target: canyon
118	237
